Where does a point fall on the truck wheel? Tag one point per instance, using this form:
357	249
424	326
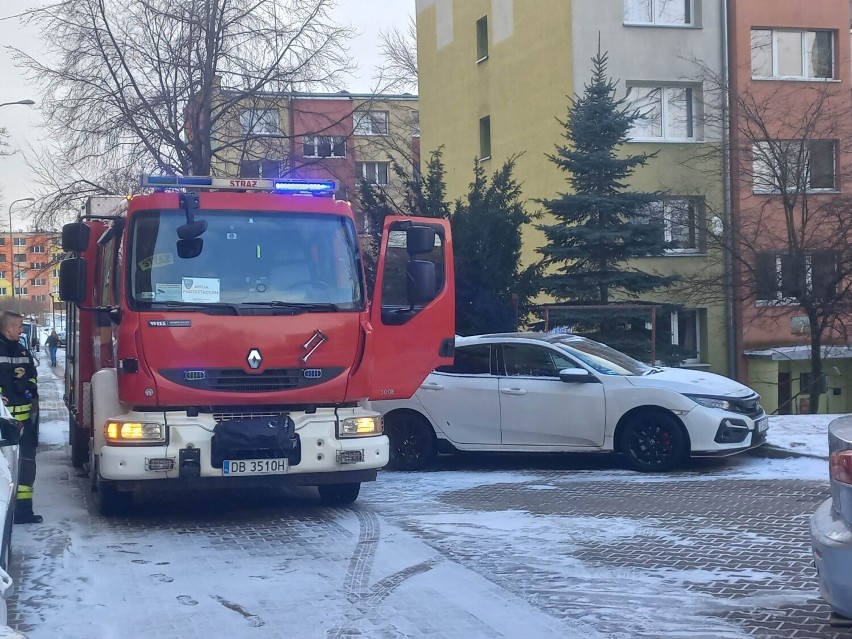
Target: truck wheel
413	444
79	440
339	494
113	501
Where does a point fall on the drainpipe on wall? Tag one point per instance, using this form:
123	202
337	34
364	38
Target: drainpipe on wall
730	325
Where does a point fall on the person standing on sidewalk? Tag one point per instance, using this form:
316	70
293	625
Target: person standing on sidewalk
19	390
52	343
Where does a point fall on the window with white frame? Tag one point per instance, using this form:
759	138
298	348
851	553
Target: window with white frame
374	172
659	12
324	146
37	248
368	122
37	264
2	275
794	166
664	112
678	222
778	275
782	53
4	291
259	121
39	298
19	257
20	290
39	281
19	241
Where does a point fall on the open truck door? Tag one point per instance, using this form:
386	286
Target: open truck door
413	309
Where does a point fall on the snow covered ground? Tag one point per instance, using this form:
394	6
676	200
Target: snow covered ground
380	573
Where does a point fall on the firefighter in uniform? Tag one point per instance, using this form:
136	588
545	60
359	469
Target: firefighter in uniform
19	391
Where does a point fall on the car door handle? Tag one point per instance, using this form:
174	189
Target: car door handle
513	391
431	386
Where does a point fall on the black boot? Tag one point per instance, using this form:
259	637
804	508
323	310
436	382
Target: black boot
24	512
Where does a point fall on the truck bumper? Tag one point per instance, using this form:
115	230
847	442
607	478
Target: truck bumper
187	454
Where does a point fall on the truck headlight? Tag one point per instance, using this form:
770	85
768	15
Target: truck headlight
361	426
711	402
117	432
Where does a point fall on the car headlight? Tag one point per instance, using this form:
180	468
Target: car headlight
361	426
117	432
711	402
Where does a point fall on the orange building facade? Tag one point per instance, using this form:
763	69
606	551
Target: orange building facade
27	265
791	105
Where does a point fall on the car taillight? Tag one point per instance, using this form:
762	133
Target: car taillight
840	466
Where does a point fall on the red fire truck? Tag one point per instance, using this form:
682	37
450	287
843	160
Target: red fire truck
220	333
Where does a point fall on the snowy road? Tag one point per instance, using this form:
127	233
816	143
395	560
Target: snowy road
481	547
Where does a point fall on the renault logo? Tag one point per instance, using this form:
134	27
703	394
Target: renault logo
254	359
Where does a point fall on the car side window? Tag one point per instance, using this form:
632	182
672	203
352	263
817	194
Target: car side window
533	361
470	360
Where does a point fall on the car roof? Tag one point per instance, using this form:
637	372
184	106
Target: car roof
528	337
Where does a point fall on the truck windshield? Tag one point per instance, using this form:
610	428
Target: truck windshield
252	258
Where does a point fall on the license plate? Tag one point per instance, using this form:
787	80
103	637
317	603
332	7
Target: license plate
240	467
762	424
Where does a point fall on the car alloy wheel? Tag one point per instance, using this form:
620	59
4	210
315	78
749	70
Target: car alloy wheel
653	441
413	444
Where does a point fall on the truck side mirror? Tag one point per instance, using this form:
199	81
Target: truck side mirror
75	237
420	239
72	280
421	282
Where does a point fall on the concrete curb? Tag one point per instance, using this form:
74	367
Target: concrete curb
769	451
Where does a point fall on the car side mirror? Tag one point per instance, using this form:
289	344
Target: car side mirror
577	376
9	433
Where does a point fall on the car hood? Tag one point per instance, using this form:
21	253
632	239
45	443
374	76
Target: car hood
691	382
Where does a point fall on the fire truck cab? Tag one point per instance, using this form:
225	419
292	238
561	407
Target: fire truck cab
220	333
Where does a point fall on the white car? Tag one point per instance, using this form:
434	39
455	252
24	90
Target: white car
536	392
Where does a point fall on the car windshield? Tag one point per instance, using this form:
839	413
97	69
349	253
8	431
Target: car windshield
247	258
602	358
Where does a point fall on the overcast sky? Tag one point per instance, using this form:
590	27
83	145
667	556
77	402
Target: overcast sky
368	17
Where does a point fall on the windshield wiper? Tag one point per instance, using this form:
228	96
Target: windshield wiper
204	307
305	307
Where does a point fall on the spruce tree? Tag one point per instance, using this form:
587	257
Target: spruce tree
492	292
597	232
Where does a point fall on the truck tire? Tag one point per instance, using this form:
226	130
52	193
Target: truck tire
339	494
112	501
79	440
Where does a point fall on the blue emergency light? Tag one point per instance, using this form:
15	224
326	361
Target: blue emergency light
320	188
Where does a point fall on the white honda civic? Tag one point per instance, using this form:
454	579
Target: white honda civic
537	392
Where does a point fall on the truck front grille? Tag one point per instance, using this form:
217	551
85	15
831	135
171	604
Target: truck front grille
235	380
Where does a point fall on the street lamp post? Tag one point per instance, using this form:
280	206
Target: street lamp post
53	295
12	244
25	102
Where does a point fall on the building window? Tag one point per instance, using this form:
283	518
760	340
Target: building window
777	276
415	124
39	282
2	275
792	54
4	291
373	172
20	257
482	39
34	264
2	258
261	168
19	241
664	113
20	290
259	121
659	12
794	166
677	219
39	298
485	138
37	248
324	146
371	122
2	241
684	326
